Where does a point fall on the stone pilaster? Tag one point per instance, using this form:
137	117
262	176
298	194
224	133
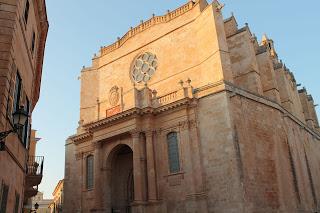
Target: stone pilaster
98	193
152	187
137	174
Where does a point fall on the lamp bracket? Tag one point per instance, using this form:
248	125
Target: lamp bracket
3	135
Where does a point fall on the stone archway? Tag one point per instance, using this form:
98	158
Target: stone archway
121	179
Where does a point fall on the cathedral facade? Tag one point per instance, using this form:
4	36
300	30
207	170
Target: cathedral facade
189	113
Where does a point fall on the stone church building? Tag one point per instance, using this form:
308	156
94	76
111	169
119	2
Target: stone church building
187	112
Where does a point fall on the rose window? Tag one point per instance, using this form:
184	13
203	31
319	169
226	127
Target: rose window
144	67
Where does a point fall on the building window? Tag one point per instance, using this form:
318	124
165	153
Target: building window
173	152
17	203
4	189
26	128
17	93
10	94
90	172
33	41
26	12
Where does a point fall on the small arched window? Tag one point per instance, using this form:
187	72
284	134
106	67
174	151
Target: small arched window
90	171
173	152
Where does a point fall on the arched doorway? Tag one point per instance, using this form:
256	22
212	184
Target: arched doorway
122	179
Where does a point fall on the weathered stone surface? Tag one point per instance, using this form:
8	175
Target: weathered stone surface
244	141
16	57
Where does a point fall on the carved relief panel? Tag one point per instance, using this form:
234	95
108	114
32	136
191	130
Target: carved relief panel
114	101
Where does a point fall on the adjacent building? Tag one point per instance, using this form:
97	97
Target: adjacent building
23	32
34	174
43	204
187	112
56	206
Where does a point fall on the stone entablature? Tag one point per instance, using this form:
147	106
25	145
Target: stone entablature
145	105
187	96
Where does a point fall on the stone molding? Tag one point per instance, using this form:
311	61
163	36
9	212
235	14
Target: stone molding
135	112
197	196
77	139
211	89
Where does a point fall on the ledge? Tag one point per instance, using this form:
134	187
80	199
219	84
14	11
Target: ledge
210	89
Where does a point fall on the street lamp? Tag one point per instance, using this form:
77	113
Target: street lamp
19	119
36	206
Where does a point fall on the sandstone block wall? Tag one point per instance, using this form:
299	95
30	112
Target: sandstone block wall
247	137
16	57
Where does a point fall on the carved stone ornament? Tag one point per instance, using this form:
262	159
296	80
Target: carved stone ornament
144	67
114	96
188	124
79	155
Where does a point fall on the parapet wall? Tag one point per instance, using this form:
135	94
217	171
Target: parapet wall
257	68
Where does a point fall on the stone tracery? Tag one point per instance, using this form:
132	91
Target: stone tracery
144	67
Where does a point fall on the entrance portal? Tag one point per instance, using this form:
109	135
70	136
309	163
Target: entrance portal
122	180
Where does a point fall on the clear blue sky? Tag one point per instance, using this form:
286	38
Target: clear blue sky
79	27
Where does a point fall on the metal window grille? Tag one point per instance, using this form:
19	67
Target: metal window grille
90	172
173	152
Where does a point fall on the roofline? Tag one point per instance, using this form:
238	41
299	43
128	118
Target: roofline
44	26
57	186
147	24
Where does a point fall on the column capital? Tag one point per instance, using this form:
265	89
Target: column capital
97	145
149	132
158	131
135	133
79	155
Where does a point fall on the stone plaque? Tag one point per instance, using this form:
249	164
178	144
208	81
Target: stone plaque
113	111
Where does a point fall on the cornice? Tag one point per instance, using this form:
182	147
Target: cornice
112	119
136	112
230	87
94	126
43	31
186	102
77	139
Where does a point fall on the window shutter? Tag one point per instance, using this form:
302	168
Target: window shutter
26	12
26	127
17	204
33	42
17	93
11	92
1	192
5	190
